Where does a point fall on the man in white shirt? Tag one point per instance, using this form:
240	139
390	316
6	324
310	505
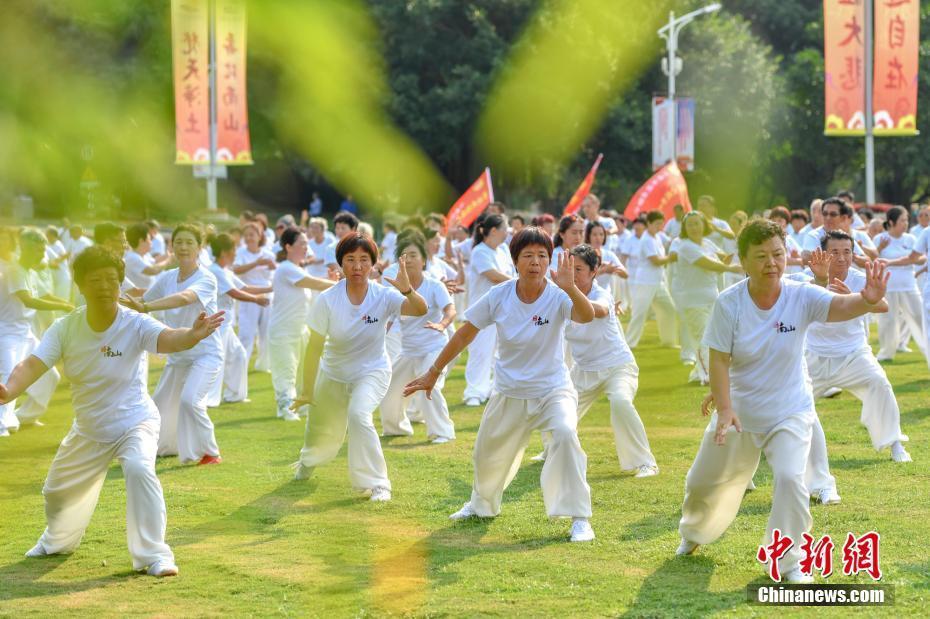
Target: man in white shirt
649	288
159	247
141	267
923	220
590	208
343	225
837	215
673	226
850	199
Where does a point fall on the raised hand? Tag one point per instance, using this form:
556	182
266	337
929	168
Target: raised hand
402	281
876	282
564	276
206	325
839	287
726	418
820	264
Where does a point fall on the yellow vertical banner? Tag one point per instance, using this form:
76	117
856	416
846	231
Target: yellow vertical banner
190	52
232	115
844	67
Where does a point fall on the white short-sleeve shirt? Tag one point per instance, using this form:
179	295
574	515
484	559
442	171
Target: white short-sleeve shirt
483	259
354	333
416	339
768	377
135	267
902	277
291	302
838	339
204	286
530	345
226	280
16	318
695	286
108	390
607	257
599	344
646	272
319	251
258	276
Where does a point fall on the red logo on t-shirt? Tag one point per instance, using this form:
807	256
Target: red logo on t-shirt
540	321
369	319
109	352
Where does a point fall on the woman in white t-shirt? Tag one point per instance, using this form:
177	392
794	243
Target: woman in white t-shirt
101	347
141	267
569	236
603	363
695	286
736	223
782	216
489	265
532	386
318	245
346	368
611	271
764	401
61	276
649	288
255	265
182	294
421	338
287	328
905	306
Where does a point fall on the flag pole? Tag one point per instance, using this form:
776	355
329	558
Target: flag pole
869	114
211	176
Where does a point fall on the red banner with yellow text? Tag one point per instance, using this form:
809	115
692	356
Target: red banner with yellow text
473	202
897	39
844	67
232	115
661	192
190	58
583	189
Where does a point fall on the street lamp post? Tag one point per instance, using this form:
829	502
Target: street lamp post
669	32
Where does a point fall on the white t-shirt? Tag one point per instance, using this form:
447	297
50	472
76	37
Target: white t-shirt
483	259
388	245
916	229
354	333
16	318
695	286
76	247
158	245
291	302
135	265
672	228
607	257
108	390
630	249
646	272
715	237
416	339
226	280
530	348
768	377
923	246
599	344
860	239
792	246
615	241
259	276
329	255
319	251
203	284
464	248
902	277
838	339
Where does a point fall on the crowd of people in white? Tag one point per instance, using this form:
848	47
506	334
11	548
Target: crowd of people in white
771	312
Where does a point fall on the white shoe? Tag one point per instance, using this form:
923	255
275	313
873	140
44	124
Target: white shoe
796	577
4	432
828	496
751	486
472	402
37	551
688	363
686	548
647	470
302	471
905	348
540	457
899	454
290	415
161	569
439	440
581	530
832	392
380	495
465	513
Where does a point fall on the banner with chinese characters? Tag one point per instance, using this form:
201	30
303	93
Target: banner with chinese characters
844	67
583	189
661	192
232	115
473	202
190	58
897	38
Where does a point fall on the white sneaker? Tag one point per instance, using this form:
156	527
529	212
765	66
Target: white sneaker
796	577
899	454
290	415
465	513
472	402
581	530
37	551
439	440
540	457
904	348
161	569
686	548
828	496
302	471
832	392
380	495
647	470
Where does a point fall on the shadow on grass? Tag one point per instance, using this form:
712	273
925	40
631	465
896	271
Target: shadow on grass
22	580
679	588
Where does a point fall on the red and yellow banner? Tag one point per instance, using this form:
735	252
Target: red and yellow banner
844	67
897	39
473	202
190	40
583	189
232	115
661	192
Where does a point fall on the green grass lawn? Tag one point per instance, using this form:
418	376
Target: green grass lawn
249	541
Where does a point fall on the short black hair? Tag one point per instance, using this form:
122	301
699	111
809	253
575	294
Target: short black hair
354	241
781	212
590	227
411	236
347	218
757	232
518	216
846	194
800	213
836	235
893	215
220	244
530	235
97	257
588	255
105	231
189	228
288	237
136	233
844	209
652	216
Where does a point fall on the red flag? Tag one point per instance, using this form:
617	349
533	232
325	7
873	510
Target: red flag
661	192
471	203
583	189
897	38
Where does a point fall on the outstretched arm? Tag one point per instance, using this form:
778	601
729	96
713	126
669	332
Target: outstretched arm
26	372
177	340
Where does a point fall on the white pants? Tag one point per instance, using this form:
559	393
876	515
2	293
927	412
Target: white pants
13	349
392	342
906	308
862	375
341	406
76	478
435	411
181	398
287	355
719	476
233	385
655	296
693	322
481	353
502	438
620	385
253	324
687	352
818	477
